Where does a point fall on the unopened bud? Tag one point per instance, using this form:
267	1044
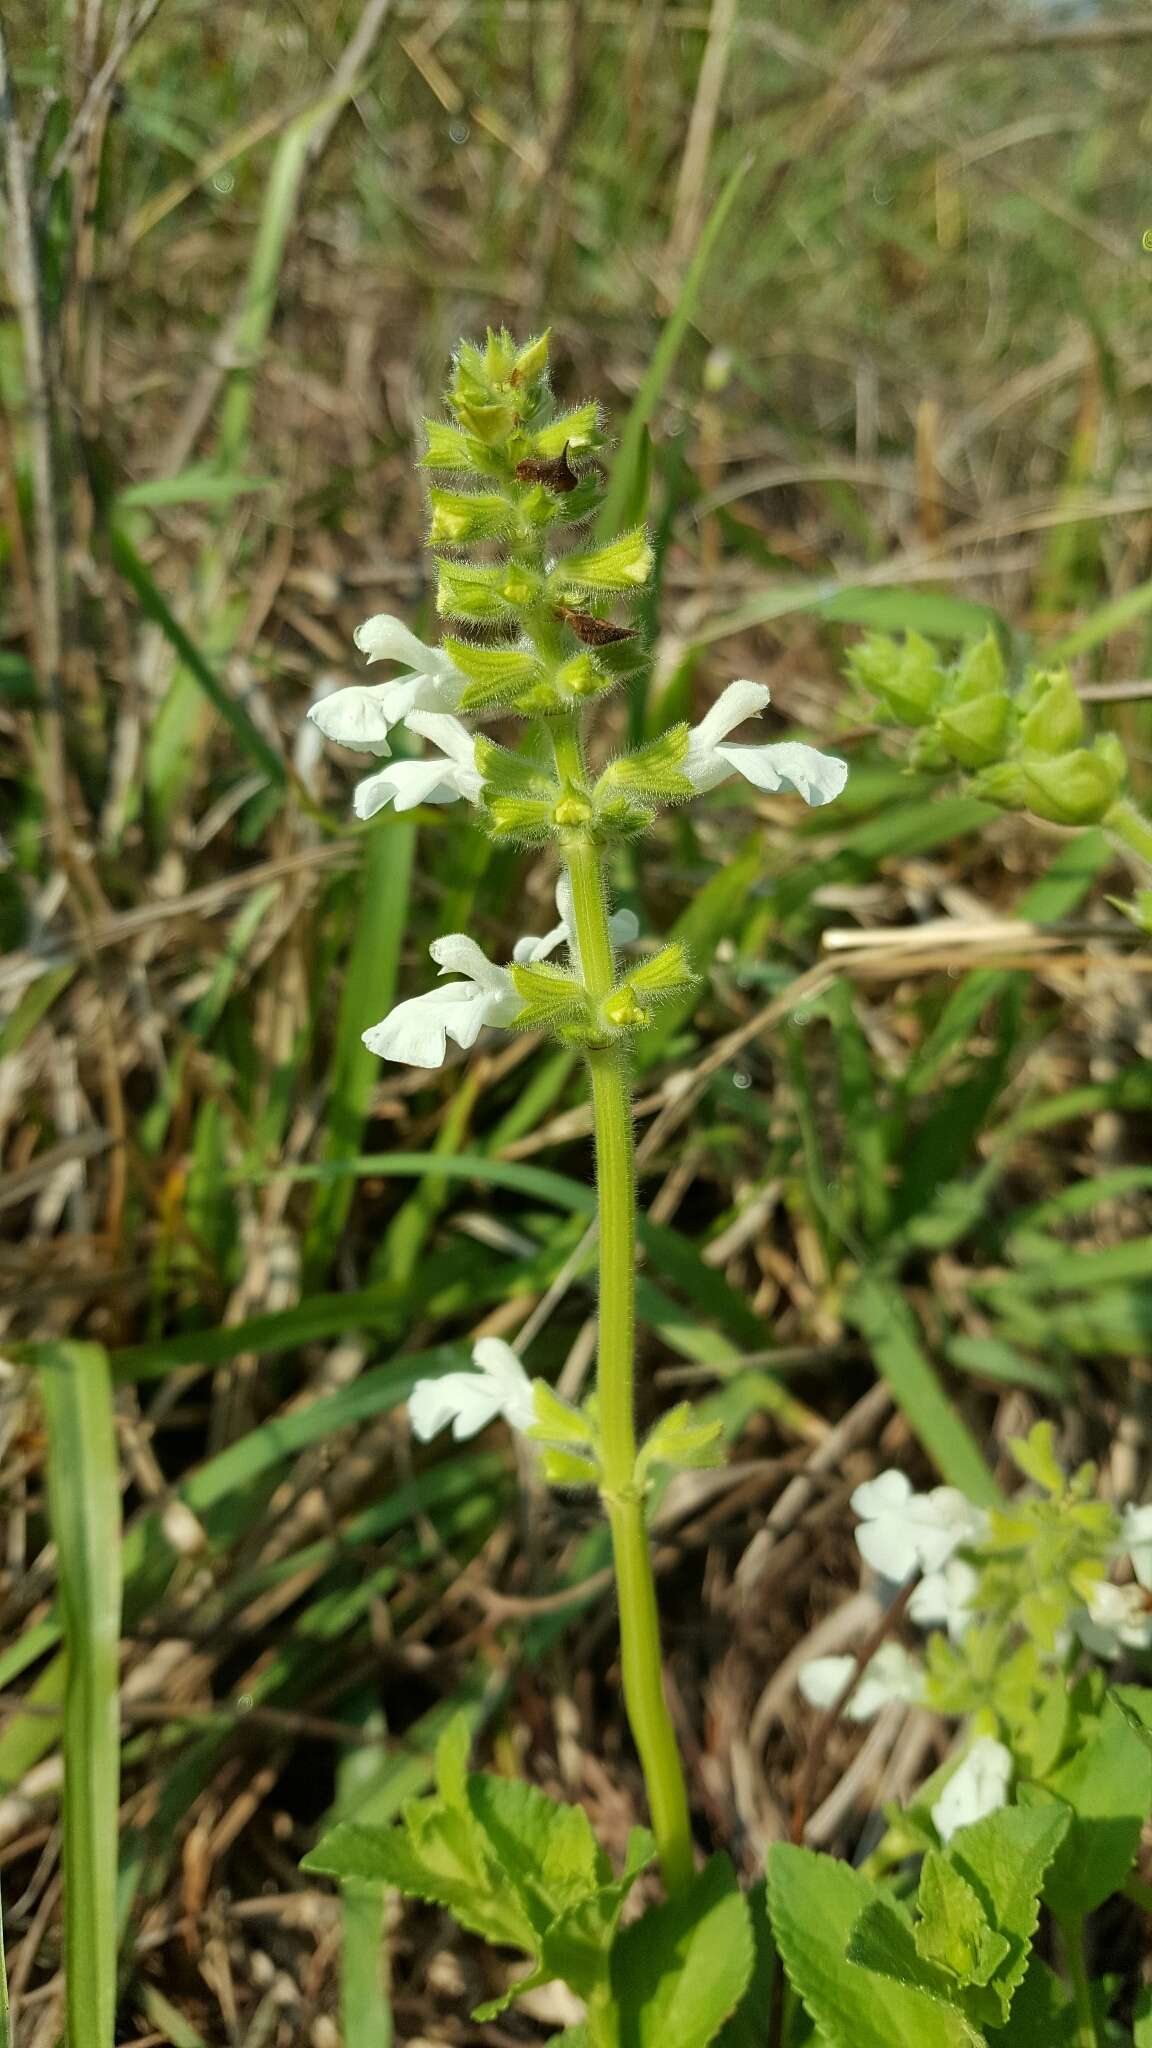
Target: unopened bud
1053	720
622	1012
572	810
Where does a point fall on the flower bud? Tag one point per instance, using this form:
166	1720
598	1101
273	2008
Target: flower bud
973	731
1077	788
1053	721
908	680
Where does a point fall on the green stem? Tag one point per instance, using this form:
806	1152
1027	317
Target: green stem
1129	825
610	1081
1072	1935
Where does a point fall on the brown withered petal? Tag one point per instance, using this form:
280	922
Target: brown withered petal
557	474
592	631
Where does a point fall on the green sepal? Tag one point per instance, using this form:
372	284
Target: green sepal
667	973
520	820
653	773
578	431
623	564
466	591
980	670
1078	788
490	421
531	363
551	998
1053	721
908	679
497	676
508	774
450	448
620	818
679	1439
581	676
567	1468
557	1421
460	517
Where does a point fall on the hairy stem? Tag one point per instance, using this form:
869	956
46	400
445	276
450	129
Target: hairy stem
611	1087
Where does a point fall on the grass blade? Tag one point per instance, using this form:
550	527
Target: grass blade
878	1310
627	492
84	1499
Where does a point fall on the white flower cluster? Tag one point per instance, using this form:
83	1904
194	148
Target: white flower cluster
425	700
903	1533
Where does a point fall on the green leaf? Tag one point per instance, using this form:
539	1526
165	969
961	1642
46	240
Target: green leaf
432	1870
953	1930
1142	2036
201	484
681	1439
557	1421
1108	1786
682	1970
1036	1457
1004	1858
1043	2013
815	1904
884	1942
747	2026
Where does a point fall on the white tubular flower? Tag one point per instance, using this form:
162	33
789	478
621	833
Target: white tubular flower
978	1786
892	1674
416	1032
786	765
363	715
471	1400
1115	1619
441	779
624	926
1137	1541
944	1599
903	1532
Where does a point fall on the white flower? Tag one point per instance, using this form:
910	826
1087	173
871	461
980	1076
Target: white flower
471	1400
417	1031
1137	1540
978	1786
440	779
363	715
892	1674
1115	1618
903	1532
624	926
787	765
943	1599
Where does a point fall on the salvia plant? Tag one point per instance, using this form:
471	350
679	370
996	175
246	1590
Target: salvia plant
1026	1607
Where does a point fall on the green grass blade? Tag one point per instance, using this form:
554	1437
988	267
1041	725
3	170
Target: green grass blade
369	990
365	2007
135	573
5	2024
879	1311
84	1498
627	493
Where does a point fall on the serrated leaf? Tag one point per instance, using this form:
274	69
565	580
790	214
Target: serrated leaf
1043	2014
883	1942
953	1931
747	2026
545	1848
815	1904
1004	1858
682	1970
386	1856
1036	1457
623	564
1108	1786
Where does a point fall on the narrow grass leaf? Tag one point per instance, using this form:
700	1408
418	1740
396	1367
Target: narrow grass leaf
84	1498
879	1311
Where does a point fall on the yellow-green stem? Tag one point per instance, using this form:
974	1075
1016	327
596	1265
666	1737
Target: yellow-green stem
610	1080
